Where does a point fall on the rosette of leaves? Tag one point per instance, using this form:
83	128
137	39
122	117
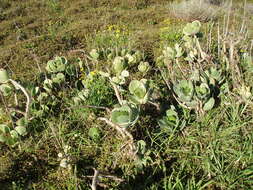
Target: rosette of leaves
126	115
11	136
184	90
56	65
140	91
192	29
170	120
143	67
214	76
6	89
203	93
119	64
169	53
94	54
81	96
58	78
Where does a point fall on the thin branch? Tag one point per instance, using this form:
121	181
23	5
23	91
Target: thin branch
118	128
95	179
91	106
28	99
116	90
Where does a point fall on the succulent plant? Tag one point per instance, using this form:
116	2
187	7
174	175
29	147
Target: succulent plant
140	90
184	90
125	116
81	96
169	53
192	28
56	65
214	76
6	89
143	67
4	76
202	91
58	78
119	64
48	85
170	120
94	54
178	50
209	104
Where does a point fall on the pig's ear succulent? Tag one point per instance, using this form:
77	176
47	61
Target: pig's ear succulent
184	90
140	91
6	89
125	116
59	78
202	91
143	67
209	104
192	28
94	54
56	65
214	76
119	64
4	76
169	53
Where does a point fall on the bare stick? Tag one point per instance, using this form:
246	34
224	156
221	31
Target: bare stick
116	90
118	128
96	107
95	179
28	99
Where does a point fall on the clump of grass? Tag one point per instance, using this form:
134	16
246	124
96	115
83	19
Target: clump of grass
201	10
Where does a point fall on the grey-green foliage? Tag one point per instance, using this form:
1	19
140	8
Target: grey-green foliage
6	89
56	65
4	76
46	95
170	121
197	92
143	67
10	135
125	115
192	28
140	90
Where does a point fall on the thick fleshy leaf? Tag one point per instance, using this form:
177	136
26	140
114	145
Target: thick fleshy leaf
143	67
21	130
94	54
4	76
192	28
94	133
22	122
125	115
4	128
6	89
209	104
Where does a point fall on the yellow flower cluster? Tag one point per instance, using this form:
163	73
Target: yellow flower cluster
118	30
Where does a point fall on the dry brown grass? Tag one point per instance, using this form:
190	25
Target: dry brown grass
202	10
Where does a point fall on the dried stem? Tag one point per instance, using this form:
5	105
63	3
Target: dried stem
116	90
95	179
28	99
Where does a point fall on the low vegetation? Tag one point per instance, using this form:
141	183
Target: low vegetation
165	104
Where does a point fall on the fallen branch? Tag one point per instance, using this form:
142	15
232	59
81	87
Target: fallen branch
28	99
95	179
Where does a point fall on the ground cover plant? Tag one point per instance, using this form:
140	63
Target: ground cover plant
161	102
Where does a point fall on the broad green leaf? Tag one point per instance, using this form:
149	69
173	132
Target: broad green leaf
4	76
21	130
6	89
209	104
